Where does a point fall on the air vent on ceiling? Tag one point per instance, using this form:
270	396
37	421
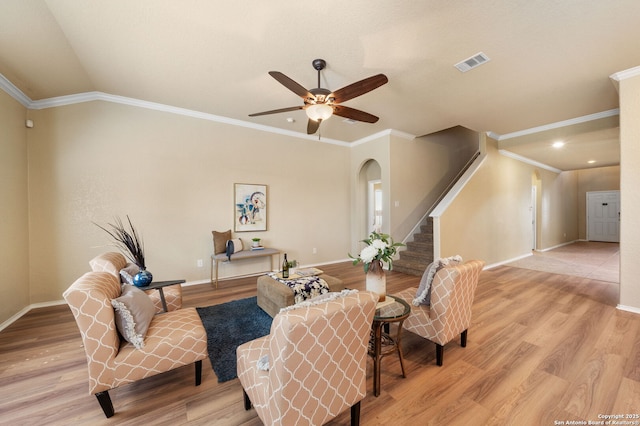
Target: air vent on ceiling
472	62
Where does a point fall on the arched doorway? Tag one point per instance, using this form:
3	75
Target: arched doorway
370	198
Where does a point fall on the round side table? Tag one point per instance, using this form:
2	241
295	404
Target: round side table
382	343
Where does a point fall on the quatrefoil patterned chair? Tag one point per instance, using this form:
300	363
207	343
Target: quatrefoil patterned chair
317	358
114	262
173	339
449	315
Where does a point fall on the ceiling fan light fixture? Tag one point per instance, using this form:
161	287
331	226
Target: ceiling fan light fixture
318	112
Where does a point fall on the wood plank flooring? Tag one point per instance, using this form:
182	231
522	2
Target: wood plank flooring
543	348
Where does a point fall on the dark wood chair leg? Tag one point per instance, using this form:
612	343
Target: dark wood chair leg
198	372
355	414
439	354
247	401
105	402
463	339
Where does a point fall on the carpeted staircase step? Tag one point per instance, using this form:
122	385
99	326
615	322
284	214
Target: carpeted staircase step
420	246
410	267
417	256
419	252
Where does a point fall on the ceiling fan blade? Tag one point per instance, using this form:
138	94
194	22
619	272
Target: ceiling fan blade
275	111
312	126
290	84
354	114
359	88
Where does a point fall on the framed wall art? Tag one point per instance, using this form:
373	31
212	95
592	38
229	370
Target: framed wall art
250	210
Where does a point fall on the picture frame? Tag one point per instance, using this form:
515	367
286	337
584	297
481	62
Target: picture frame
250	207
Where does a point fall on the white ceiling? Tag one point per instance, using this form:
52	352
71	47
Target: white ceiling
550	62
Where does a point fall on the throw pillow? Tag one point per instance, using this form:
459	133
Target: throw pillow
233	246
128	272
220	241
134	311
423	295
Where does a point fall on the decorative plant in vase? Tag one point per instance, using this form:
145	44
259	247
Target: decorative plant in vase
379	248
132	246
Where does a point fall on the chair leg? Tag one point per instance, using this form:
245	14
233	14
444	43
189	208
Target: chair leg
355	414
247	401
198	372
463	339
439	354
105	402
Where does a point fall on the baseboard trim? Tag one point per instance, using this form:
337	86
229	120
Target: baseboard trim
504	262
559	245
628	309
28	308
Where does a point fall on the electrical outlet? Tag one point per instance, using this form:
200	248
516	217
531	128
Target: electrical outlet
200	264
315	250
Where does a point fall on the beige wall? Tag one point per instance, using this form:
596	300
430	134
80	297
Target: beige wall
14	235
629	90
491	217
173	175
558	218
413	173
421	169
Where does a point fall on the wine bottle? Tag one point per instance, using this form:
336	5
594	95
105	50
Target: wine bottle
285	267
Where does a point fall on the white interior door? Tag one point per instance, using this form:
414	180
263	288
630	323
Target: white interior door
603	216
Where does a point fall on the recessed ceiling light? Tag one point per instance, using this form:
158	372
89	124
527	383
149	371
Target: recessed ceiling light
591	161
558	144
290	120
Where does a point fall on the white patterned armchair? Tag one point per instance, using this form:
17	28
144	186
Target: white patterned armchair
312	365
173	339
449	314
114	262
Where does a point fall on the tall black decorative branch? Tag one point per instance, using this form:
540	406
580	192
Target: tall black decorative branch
127	240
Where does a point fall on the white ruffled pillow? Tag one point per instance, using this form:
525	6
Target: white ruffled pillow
423	295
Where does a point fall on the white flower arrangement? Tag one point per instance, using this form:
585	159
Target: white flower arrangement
378	247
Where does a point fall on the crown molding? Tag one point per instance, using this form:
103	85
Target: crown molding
528	161
14	92
383	133
77	98
623	75
570	122
58	101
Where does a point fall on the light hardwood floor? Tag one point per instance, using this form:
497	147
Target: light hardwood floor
543	348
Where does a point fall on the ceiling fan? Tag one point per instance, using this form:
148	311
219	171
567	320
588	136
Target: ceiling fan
320	103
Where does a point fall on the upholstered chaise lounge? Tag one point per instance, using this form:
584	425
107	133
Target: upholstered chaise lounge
114	262
173	339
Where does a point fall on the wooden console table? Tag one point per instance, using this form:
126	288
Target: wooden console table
244	254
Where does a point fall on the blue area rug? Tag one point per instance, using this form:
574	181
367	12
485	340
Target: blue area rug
228	326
